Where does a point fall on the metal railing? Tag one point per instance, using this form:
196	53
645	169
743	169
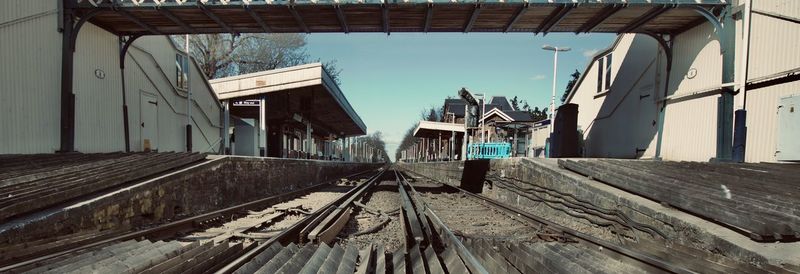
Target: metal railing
489	151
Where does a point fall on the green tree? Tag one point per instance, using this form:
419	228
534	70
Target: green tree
575	76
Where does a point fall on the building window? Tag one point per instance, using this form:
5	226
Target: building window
600	69
182	70
604	73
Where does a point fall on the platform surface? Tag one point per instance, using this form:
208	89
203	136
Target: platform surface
759	200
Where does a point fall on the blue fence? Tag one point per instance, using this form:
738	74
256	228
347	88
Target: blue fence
489	151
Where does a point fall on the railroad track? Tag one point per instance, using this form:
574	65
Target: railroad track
161	245
646	255
304	232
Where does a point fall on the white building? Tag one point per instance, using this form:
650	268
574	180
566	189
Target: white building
155	94
622	91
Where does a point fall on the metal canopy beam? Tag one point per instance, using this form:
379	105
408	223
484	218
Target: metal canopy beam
216	19
428	18
385	17
475	12
507	15
516	17
258	20
652	13
342	19
607	12
177	20
135	20
554	18
298	18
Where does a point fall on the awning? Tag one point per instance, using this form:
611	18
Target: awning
428	129
306	90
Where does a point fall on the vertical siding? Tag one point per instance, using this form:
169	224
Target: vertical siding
30	50
762	121
690	126
774	45
696	49
690	130
785	7
773	48
98	102
30	66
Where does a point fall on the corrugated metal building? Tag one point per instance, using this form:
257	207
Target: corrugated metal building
621	91
30	69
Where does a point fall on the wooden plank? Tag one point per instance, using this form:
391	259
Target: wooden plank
759	222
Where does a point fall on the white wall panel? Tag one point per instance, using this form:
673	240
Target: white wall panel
30	66
98	101
690	130
696	49
30	50
619	123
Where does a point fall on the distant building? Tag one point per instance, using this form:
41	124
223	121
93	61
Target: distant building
157	77
445	140
623	91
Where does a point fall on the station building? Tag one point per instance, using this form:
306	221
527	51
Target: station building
148	99
501	124
635	102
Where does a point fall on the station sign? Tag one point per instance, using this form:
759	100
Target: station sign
247	103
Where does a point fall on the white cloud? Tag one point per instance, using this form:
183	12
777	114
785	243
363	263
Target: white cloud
538	77
590	52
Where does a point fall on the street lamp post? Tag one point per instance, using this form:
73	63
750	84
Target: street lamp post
555	69
483	113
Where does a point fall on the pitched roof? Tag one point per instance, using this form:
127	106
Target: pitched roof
502	103
455	106
520	116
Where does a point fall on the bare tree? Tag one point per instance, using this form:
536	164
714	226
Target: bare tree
222	55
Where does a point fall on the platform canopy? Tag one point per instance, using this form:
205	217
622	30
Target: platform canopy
305	90
147	17
428	129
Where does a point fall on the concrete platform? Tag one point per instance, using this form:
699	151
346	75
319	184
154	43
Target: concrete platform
543	188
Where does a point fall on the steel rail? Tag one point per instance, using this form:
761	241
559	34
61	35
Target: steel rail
292	233
644	258
472	263
177	226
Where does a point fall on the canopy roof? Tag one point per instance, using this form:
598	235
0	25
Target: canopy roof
428	129
306	89
143	17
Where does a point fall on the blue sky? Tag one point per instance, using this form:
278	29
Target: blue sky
390	79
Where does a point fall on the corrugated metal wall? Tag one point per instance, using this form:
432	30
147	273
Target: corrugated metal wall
30	55
690	130
774	47
98	101
695	50
30	51
690	126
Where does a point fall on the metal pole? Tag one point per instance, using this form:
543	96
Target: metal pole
226	112
67	73
553	99
188	98
483	115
